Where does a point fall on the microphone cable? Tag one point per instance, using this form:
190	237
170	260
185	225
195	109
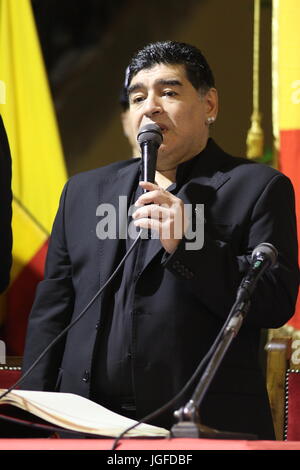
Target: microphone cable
149	417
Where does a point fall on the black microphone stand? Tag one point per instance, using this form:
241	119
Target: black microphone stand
189	424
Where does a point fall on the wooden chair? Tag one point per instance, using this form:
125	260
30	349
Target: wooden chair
283	383
292	405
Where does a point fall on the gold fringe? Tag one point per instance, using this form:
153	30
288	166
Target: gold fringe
275	80
255	136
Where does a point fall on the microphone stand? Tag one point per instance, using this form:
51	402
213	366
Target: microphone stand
189	424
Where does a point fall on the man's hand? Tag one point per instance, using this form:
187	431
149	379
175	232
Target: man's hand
163	212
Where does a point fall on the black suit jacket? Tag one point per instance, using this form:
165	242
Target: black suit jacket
181	300
5	209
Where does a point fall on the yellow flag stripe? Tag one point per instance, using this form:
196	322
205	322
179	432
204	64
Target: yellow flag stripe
289	64
29	240
38	166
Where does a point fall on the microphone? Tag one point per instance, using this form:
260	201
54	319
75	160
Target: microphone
264	256
149	137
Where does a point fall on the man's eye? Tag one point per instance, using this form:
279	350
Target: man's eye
170	93
137	99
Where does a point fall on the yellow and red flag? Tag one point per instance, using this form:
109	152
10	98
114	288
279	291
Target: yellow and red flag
286	99
38	167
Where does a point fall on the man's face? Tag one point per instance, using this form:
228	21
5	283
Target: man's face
164	95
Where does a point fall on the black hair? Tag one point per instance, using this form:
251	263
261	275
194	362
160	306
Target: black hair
123	98
173	53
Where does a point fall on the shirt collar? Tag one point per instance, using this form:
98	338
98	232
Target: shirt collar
185	169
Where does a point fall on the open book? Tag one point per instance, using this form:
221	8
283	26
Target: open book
74	412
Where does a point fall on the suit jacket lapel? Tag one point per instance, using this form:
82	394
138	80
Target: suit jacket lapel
208	176
116	191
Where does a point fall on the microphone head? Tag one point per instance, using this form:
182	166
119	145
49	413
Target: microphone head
267	250
150	132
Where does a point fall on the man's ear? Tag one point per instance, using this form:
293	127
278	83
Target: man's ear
212	103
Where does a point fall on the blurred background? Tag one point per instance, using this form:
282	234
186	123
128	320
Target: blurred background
62	68
87	46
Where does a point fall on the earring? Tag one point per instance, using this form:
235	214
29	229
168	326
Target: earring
210	120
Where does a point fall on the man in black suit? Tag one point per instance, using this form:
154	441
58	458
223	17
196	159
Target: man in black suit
5	209
141	340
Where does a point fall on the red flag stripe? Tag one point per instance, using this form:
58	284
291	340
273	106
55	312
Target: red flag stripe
20	298
289	164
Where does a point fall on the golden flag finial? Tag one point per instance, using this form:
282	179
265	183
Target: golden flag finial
255	136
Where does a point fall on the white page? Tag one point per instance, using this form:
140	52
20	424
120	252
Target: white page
66	409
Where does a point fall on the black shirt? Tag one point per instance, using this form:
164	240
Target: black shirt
113	384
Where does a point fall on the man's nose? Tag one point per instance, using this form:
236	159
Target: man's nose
152	105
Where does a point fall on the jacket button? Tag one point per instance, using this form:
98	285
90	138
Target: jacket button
86	376
136	311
